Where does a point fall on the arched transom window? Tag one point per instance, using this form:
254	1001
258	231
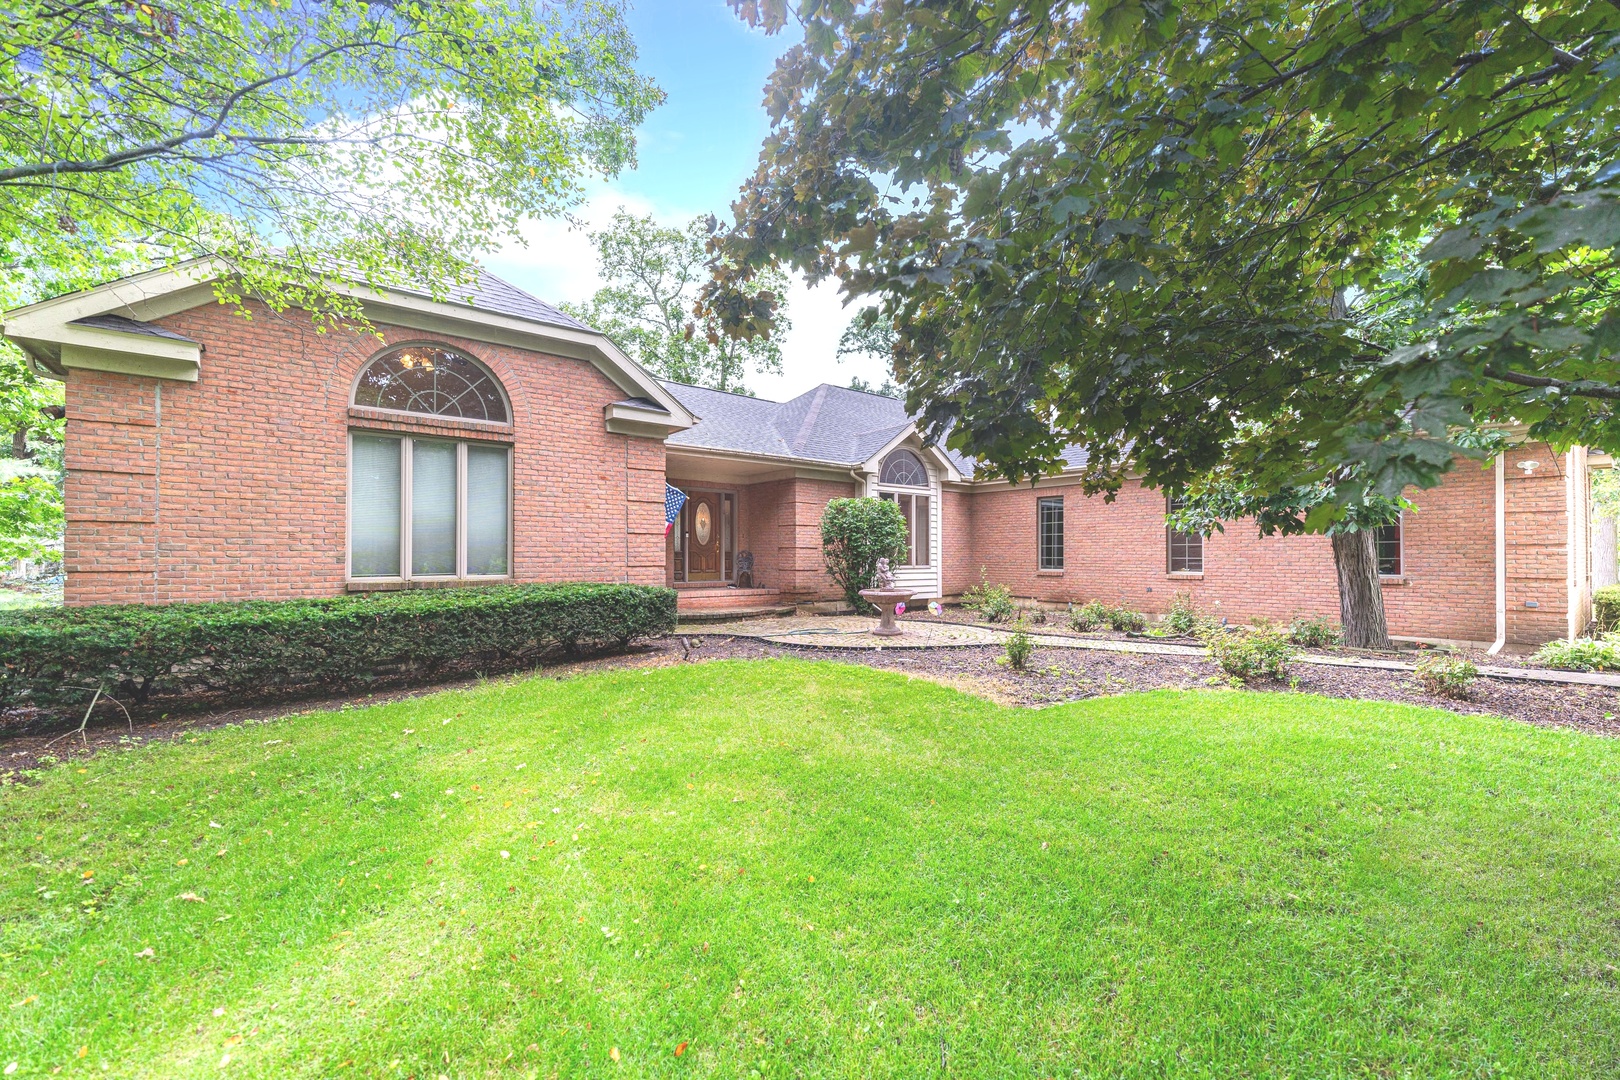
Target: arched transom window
903	468
431	379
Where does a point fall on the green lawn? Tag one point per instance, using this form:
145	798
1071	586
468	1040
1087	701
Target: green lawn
804	869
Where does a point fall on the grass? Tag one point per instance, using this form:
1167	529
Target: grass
23	599
805	869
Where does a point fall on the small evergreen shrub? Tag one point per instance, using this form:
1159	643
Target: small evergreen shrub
855	534
1182	618
994	603
1247	654
1314	632
257	650
1582	654
1445	676
1019	647
1606	609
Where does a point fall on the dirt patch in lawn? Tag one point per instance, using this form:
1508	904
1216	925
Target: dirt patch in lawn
1055	675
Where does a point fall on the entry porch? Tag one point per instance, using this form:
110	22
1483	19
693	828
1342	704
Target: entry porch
749	533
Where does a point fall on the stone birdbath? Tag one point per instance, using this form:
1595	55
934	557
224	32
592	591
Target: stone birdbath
884	597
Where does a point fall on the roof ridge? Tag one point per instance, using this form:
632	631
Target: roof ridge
809	418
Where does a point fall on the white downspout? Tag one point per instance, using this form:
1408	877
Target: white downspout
1501	555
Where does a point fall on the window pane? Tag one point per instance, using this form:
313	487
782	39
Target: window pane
427	379
1186	549
433	508
488	494
1387	542
374	508
905	512
919	532
1050	531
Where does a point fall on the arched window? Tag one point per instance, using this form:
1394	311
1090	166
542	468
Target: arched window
431	379
904	468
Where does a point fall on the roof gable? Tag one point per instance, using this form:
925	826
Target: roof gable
487	309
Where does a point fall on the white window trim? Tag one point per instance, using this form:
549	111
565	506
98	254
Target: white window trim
405	575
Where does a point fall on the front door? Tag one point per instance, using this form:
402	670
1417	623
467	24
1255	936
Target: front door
703	537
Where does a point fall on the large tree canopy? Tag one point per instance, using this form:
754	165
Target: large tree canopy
1162	230
653	273
396	140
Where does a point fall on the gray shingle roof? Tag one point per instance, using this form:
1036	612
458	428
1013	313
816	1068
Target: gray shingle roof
830	424
489	293
128	326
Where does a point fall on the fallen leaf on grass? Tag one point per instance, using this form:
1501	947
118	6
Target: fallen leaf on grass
614	1053
146	954
681	1049
192	897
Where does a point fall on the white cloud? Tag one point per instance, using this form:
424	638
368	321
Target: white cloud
558	264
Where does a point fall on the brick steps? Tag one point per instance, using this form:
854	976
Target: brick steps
724	599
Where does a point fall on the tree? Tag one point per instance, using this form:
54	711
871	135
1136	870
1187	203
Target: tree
887	389
855	534
653	273
1135	227
1218	500
869	334
292	138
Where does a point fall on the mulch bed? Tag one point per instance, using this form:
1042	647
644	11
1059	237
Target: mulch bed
1055	675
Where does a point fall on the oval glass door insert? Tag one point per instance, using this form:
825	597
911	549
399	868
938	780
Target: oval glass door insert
701	524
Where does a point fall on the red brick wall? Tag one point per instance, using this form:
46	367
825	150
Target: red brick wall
241	491
1116	552
1537	546
956	527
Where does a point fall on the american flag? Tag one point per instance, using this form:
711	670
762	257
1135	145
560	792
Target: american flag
674	499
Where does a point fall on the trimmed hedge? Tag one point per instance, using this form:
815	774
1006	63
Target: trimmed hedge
1606	608
266	649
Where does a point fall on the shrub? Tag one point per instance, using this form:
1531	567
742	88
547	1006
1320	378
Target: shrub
1088	617
994	603
1182	618
1260	651
1582	654
264	649
1019	647
1445	676
1606	609
1314	632
855	534
1123	620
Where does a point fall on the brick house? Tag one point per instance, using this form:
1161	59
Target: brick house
214	454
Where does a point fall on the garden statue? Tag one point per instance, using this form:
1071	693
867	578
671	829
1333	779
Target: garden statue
889	600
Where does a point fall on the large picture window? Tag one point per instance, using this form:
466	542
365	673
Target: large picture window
428	508
1186	549
915	509
1049	531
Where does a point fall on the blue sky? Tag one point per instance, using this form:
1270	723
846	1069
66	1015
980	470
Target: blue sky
694	153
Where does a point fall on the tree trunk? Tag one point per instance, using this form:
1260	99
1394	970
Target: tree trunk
19	443
1603	553
1361	598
